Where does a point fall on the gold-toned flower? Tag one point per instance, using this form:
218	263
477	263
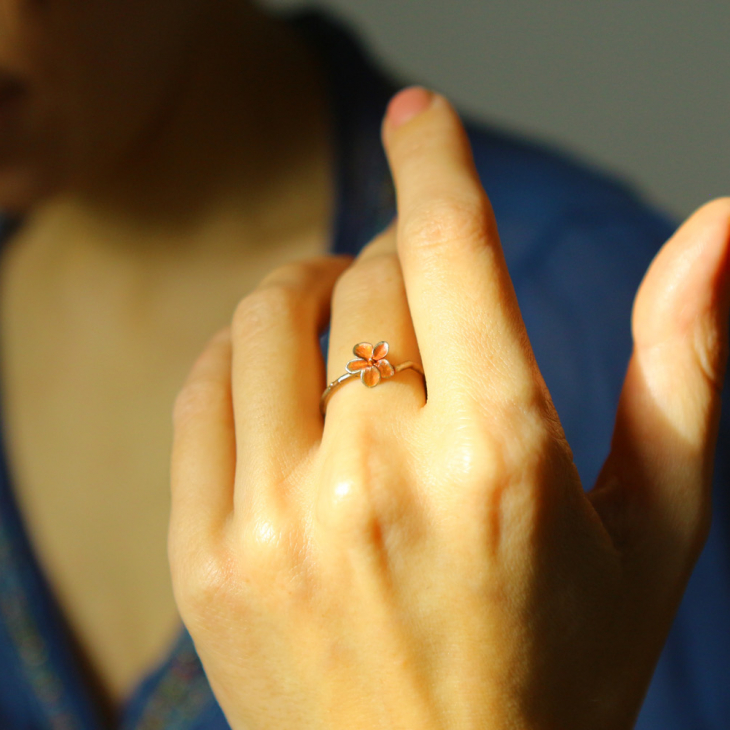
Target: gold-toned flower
371	363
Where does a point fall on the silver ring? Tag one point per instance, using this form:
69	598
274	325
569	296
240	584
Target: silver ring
371	366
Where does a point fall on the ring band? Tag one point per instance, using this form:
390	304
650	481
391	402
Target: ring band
371	366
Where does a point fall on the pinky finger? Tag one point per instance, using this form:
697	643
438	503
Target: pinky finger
203	459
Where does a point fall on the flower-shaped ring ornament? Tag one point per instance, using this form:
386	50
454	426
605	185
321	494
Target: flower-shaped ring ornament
372	367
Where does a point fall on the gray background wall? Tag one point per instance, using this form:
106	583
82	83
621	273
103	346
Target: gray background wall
640	87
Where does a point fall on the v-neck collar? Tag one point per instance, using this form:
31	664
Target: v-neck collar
35	641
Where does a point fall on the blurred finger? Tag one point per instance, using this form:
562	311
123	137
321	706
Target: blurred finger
203	460
278	373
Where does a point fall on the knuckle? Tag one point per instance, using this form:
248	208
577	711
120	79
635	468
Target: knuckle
265	547
473	477
494	470
278	565
450	221
197	396
299	274
265	307
530	432
477	463
201	582
537	419
276	561
366	275
468	457
346	505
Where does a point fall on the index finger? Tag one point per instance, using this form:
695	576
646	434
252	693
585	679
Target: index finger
460	294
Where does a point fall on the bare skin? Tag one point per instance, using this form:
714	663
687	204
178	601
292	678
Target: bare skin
428	557
121	272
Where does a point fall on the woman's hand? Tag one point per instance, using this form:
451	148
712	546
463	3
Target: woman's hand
409	565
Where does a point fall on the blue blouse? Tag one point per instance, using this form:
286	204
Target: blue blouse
577	244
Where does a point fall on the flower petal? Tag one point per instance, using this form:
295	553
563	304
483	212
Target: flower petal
386	369
363	350
380	351
370	376
356	365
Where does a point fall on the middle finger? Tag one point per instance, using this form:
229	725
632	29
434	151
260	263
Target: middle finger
464	306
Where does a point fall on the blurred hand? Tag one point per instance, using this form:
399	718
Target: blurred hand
436	564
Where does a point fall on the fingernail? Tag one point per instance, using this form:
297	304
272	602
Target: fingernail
407	104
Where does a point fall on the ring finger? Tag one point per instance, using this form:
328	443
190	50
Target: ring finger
369	305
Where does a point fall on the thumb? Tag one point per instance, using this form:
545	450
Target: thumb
655	488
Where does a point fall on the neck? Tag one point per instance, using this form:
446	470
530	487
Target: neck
241	140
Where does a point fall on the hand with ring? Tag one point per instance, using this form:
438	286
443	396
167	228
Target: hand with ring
425	556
